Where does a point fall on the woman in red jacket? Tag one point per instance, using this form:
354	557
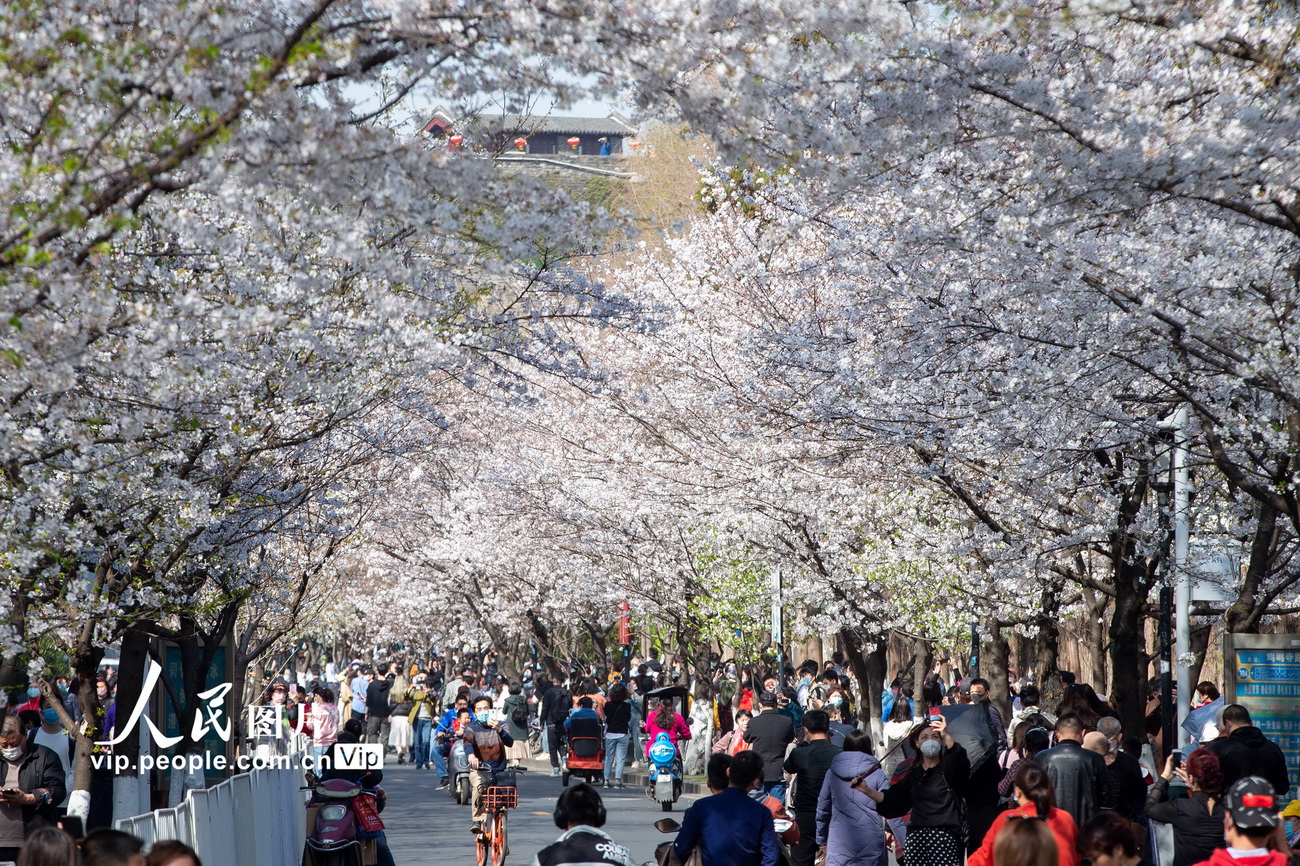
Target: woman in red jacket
1033	791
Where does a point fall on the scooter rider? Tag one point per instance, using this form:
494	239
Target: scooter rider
368	779
485	742
580	813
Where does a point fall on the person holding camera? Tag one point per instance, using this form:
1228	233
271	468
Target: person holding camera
932	790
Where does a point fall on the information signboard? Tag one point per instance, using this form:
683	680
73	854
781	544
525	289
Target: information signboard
1262	673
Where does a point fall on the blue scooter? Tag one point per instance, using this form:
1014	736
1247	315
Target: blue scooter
665	772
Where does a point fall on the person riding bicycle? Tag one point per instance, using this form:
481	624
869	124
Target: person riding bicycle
485	742
580	813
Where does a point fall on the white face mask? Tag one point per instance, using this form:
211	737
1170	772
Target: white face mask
13	754
277	698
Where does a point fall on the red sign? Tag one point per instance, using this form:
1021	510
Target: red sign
624	624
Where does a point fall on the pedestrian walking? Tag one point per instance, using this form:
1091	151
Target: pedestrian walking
401	735
809	762
932	790
1251	827
324	721
33	785
849	829
517	715
1034	800
1033	741
1197	819
1245	751
421	718
1026	843
1110	839
768	735
729	828
618	720
1079	776
553	714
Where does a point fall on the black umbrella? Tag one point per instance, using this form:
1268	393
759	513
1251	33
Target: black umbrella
668	692
972	727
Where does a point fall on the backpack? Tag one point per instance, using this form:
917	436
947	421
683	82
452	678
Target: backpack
519	715
560	707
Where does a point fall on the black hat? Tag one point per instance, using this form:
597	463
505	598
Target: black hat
767	699
1252	804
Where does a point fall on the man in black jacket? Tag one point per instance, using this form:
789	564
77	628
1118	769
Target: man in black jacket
769	733
1245	751
33	787
554	709
1079	777
808	763
379	710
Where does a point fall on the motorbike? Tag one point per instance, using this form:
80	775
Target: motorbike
333	839
665	856
458	770
665	785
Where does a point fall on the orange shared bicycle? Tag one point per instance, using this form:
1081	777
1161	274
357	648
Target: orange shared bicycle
492	847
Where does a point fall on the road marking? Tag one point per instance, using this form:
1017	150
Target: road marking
543	814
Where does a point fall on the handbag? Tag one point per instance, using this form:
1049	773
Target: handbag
666	855
367	813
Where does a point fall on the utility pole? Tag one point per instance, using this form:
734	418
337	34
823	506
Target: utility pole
1182	530
778	628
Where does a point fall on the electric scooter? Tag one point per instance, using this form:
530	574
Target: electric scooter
665	785
333	840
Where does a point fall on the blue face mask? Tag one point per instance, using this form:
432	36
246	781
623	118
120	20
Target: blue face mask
51	717
63	688
33	692
482	717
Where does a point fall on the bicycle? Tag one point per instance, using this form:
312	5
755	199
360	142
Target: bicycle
491	843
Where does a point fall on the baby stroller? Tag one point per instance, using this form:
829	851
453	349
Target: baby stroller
586	750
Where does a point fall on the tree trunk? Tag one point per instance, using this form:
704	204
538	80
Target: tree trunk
85	658
1128	651
994	666
920	670
1047	646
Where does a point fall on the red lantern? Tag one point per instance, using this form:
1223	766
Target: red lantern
456	139
633	143
521	143
573	142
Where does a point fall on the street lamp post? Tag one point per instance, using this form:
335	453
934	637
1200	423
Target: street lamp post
778	628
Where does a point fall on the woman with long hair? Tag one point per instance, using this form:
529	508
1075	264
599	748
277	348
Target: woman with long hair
848	825
1197	819
1026	842
932	789
618	717
48	846
1035	800
1076	703
665	720
324	720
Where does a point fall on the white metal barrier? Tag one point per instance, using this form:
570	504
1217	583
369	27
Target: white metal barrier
253	819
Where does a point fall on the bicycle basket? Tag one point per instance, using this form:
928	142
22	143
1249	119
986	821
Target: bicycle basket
500	798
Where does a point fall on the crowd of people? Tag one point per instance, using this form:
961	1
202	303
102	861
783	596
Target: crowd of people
1049	787
795	773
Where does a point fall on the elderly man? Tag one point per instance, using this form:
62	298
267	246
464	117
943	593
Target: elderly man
32	789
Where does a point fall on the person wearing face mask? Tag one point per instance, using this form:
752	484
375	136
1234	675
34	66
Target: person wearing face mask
932	790
33	701
55	737
34	784
485	742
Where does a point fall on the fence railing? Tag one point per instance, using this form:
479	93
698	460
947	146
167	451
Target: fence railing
252	819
